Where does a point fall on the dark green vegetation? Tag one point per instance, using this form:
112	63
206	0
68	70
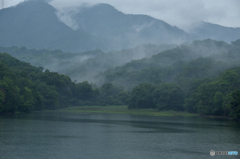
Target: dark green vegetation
25	88
219	96
202	77
163	97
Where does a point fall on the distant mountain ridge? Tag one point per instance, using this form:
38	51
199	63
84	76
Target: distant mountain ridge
216	32
34	24
103	20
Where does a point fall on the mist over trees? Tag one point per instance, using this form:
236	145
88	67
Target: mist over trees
201	77
201	59
25	88
84	66
112	58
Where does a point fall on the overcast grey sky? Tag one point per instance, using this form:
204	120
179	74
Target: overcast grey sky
180	13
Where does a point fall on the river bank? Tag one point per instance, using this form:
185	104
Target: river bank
124	110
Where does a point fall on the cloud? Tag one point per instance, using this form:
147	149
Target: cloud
223	12
184	14
10	3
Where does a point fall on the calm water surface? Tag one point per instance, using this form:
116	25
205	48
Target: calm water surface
113	136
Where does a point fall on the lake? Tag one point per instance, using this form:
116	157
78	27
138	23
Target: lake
54	135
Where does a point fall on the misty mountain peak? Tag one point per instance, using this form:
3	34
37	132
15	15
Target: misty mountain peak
99	13
35	5
217	32
34	24
103	8
37	24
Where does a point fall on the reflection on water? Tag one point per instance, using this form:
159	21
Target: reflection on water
64	135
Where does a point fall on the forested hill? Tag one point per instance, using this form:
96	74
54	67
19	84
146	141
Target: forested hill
85	65
200	59
219	96
26	88
206	81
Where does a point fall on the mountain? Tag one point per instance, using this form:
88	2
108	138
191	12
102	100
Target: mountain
127	30
86	65
34	24
201	58
216	32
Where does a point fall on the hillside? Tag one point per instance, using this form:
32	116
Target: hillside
86	65
130	67
126	30
216	32
200	59
36	24
25	88
201	77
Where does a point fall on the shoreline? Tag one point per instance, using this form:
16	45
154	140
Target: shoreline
217	117
124	110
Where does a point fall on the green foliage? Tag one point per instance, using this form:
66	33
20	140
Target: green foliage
168	97
25	88
218	103
27	101
178	79
164	96
52	99
124	97
141	97
2	99
84	91
2	96
109	95
212	97
12	97
235	105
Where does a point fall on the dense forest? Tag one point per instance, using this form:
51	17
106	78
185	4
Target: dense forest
25	88
219	96
200	59
202	77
